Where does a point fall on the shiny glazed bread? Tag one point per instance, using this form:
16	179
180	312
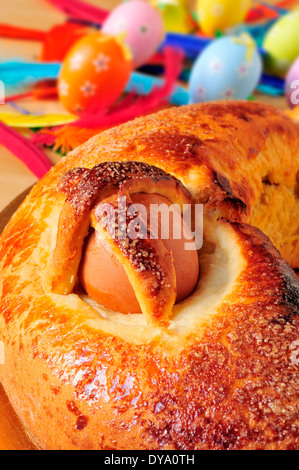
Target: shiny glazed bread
216	371
240	158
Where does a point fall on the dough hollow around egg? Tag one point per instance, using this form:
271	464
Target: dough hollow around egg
103	276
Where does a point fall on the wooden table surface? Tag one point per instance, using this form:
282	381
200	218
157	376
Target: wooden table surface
39	14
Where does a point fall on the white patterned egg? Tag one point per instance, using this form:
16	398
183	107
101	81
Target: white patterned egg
228	68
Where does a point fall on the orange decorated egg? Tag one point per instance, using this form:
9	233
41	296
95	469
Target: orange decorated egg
94	73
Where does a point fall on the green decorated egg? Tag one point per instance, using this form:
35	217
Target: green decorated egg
282	44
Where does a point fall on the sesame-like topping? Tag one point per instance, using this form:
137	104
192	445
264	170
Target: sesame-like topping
139	251
83	186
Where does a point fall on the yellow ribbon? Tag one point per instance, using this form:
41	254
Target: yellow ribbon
246	40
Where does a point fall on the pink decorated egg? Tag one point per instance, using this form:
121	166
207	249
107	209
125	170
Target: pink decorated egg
292	85
140	25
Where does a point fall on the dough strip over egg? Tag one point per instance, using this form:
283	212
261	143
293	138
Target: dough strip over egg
152	276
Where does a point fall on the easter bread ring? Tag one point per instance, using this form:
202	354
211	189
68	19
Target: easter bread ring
219	372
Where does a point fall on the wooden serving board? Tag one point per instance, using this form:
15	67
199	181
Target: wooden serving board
6	214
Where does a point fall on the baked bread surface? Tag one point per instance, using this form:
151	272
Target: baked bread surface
221	376
239	157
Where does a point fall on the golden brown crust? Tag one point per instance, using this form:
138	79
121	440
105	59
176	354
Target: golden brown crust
223	376
240	158
232	387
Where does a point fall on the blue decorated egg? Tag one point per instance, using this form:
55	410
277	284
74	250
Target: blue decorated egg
229	68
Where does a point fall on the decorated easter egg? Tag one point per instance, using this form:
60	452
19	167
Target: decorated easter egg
292	85
218	15
94	73
141	27
176	15
282	44
229	68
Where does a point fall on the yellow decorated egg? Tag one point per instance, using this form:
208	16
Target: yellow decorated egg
218	15
176	15
94	73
